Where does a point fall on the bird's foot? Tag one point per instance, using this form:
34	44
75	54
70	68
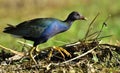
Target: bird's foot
31	55
61	50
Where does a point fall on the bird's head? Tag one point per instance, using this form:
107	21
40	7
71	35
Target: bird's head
75	16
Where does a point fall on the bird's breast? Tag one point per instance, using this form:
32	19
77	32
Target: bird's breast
54	29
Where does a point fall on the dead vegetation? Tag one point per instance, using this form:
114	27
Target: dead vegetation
88	56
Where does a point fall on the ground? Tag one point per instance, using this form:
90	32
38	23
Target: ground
87	56
96	53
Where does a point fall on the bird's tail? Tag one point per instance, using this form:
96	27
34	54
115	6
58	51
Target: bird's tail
9	29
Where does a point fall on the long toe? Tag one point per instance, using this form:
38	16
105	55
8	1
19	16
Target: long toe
61	50
65	51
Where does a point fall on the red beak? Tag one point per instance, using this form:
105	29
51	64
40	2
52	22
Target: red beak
83	18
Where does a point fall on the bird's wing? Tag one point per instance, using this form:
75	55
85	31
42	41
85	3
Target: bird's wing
32	28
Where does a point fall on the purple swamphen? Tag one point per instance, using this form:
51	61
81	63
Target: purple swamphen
39	30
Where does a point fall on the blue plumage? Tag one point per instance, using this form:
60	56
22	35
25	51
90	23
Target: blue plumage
41	29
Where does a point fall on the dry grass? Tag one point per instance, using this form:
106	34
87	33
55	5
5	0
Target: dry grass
103	58
88	56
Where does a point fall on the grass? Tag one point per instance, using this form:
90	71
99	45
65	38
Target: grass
14	12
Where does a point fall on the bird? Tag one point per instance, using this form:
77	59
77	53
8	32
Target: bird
40	30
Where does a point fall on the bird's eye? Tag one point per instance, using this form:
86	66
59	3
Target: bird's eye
77	14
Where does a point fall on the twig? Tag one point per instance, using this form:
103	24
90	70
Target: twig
13	51
15	57
25	44
94	33
28	45
73	44
99	38
74	57
106	20
104	24
88	30
79	56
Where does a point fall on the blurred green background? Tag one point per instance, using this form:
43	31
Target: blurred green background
16	11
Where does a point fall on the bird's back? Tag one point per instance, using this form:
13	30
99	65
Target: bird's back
37	27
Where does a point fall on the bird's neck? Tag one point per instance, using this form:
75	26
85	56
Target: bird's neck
69	22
